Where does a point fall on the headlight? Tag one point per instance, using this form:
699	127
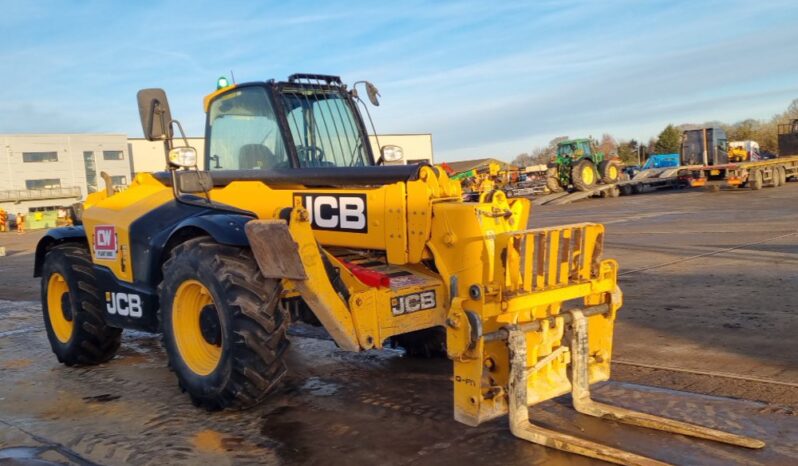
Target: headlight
183	157
391	153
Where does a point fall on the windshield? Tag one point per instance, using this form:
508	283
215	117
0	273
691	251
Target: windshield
324	128
573	149
244	134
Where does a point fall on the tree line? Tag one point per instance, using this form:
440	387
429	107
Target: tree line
669	140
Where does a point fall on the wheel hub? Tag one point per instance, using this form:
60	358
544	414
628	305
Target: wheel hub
66	307
210	327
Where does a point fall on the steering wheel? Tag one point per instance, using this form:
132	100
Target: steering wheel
311	155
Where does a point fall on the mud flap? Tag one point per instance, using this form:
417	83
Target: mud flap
290	252
275	250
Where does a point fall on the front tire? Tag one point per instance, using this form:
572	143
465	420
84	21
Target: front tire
223	330
72	308
755	180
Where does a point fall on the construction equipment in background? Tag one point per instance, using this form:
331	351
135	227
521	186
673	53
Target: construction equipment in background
295	218
743	151
580	165
485	178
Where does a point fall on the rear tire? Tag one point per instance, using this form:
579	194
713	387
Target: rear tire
584	175
74	316
610	171
223	329
553	180
755	180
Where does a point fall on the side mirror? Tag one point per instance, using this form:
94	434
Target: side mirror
155	114
391	153
373	93
193	181
185	157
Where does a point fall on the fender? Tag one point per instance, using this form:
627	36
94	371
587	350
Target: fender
53	237
223	228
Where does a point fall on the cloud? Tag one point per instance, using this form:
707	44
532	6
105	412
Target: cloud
496	78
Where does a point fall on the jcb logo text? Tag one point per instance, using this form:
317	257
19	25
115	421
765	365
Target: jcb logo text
336	211
123	304
413	302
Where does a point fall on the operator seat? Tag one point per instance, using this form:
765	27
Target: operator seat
256	156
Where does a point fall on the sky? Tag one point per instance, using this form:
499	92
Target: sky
486	78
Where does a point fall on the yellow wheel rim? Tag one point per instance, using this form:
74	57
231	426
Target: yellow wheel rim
613	172
588	175
57	288
199	355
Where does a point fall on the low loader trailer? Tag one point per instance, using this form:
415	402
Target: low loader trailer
753	174
297	220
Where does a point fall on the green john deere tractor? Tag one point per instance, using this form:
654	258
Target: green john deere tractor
579	164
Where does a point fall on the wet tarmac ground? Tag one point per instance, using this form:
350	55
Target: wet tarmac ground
722	324
335	408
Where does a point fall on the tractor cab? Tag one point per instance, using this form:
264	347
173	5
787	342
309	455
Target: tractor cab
575	149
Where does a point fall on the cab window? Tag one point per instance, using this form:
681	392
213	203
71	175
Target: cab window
244	134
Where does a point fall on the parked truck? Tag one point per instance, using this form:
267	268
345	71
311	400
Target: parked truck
705	154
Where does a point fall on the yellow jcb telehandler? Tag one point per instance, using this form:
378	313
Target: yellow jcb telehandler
295	217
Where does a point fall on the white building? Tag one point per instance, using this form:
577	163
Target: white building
39	173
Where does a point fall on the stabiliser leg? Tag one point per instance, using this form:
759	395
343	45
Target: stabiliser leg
580	387
522	428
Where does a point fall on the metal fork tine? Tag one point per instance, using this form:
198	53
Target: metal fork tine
522	428
580	387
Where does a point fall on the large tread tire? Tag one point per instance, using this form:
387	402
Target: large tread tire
553	180
775	177
423	344
90	341
755	180
252	324
610	171
581	181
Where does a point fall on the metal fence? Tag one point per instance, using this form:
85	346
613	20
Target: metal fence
17	195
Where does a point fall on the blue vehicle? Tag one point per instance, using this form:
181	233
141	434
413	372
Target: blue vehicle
662	161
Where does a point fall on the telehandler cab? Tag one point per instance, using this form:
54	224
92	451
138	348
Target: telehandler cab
293	214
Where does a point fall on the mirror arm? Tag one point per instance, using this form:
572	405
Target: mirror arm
380	160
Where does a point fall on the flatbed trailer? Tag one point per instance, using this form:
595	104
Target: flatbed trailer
669	178
752	174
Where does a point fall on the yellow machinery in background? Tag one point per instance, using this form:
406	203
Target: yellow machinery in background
296	214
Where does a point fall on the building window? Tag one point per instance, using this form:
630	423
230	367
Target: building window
30	157
113	155
47	183
119	180
91	171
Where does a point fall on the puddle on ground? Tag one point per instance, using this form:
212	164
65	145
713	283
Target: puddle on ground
20	453
317	387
